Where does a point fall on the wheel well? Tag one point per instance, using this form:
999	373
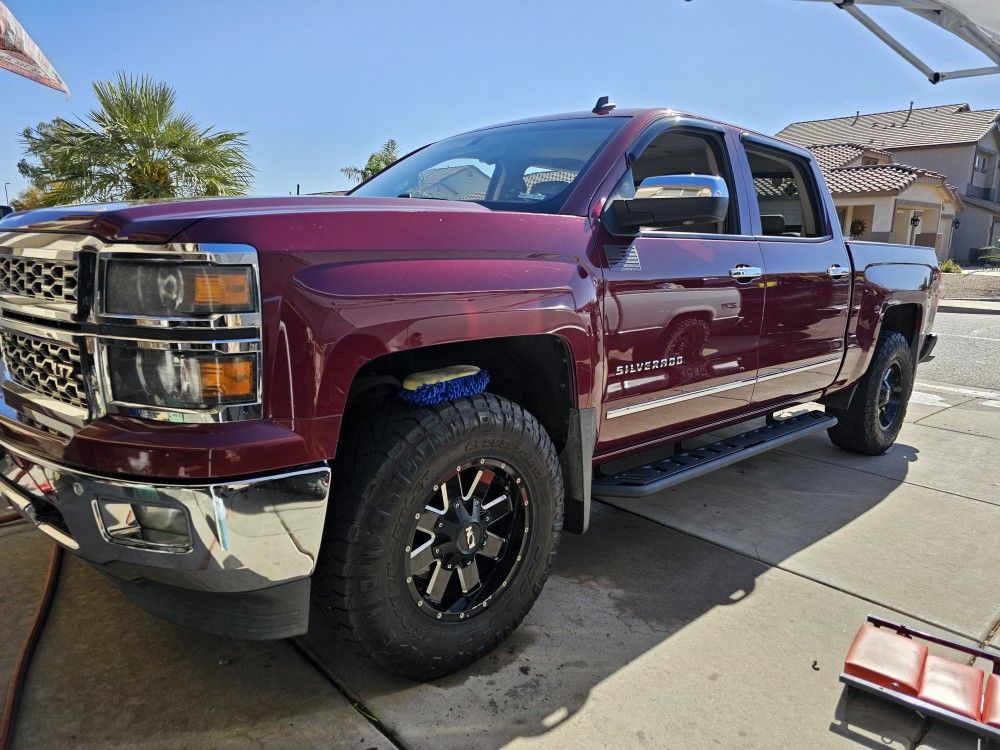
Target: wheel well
535	372
903	319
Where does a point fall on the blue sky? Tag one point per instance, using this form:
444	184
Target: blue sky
322	84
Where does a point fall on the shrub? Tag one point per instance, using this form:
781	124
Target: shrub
950	266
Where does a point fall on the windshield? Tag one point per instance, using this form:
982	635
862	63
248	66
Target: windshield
527	167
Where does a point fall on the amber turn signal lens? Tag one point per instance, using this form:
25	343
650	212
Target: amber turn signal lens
230	378
222	290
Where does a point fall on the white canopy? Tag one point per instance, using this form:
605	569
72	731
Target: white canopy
974	21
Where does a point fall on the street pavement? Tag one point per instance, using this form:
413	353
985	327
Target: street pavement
968	350
715	613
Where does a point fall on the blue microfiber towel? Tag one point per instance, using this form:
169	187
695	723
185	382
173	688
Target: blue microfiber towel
447	384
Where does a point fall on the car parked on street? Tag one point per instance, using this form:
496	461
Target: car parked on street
209	400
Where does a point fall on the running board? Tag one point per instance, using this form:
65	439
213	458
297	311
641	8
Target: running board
659	475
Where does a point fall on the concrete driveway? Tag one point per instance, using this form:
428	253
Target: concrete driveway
716	613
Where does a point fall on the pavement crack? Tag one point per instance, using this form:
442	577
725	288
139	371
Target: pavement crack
355	702
787	452
992	633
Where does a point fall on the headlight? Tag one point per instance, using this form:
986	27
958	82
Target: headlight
170	290
181	379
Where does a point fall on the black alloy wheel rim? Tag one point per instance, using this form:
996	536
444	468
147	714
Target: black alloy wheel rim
890	395
468	542
688	345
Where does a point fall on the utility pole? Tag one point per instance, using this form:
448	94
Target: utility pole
6	198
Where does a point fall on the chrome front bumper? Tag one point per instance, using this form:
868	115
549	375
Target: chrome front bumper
240	536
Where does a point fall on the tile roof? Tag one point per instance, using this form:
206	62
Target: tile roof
875	179
926	126
549	175
839	154
767	187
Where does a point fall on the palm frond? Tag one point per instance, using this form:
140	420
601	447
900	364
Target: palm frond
134	144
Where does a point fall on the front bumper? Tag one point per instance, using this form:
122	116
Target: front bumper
233	539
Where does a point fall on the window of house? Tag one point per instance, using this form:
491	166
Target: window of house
982	163
685	151
787	196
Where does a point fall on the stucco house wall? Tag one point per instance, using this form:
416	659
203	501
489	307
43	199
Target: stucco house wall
954	162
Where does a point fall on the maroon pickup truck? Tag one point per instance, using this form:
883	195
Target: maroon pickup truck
211	401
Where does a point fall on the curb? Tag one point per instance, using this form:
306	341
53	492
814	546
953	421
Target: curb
975	307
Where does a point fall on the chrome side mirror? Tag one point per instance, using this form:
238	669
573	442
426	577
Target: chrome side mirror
674	201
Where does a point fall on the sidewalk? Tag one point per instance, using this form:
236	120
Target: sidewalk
975	306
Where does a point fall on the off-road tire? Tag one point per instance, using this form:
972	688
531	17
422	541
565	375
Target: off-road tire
859	428
383	472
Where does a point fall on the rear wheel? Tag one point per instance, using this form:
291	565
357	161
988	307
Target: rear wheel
447	520
872	422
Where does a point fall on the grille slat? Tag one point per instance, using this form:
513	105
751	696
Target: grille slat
43	280
51	368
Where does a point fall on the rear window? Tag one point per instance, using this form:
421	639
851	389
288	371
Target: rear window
786	193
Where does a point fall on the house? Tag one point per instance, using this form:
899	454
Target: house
880	200
952	140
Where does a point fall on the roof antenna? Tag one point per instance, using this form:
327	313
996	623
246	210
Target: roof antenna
908	116
857	116
603	106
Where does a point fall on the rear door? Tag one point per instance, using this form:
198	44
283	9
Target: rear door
682	310
807	272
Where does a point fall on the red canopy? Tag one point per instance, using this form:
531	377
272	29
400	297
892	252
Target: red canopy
20	55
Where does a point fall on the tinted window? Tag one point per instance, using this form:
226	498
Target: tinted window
786	193
684	151
526	167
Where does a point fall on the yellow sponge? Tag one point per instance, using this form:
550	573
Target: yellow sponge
430	377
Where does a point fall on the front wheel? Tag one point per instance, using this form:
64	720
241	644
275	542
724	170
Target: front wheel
447	521
872	422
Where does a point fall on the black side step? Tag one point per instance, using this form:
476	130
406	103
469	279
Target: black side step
651	478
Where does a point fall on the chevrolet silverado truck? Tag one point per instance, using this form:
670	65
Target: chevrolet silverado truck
202	398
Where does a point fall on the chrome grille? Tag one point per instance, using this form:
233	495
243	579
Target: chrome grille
50	368
46	280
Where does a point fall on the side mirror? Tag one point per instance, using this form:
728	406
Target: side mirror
4	210
674	201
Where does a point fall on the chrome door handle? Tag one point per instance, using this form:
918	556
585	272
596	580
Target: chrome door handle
837	272
746	272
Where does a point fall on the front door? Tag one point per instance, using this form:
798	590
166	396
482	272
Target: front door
807	275
682	310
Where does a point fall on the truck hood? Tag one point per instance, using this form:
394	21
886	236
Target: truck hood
161	221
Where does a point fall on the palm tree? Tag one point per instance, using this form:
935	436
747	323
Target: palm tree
133	146
384	157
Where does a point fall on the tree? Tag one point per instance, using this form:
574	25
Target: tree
381	159
29	198
133	146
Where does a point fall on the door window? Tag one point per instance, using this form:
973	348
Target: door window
787	197
684	151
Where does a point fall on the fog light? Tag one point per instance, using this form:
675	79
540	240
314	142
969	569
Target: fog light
159	519
152	527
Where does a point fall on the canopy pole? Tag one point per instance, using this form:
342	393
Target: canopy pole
932	75
968	73
869	23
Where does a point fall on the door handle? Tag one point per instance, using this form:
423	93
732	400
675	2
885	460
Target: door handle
746	272
837	272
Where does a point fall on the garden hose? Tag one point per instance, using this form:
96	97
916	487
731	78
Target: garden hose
17	680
